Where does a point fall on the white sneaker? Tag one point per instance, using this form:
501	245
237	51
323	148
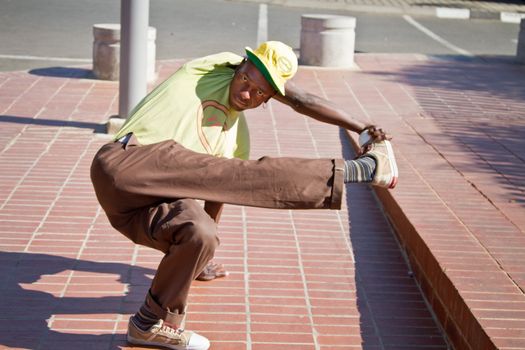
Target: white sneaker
163	335
386	172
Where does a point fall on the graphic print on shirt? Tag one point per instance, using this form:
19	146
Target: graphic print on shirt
211	123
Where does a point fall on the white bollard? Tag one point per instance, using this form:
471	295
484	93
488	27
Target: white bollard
327	40
106	51
521	43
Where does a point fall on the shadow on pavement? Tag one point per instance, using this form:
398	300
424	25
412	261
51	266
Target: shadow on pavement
26	306
64	72
482	78
97	128
495	146
481	107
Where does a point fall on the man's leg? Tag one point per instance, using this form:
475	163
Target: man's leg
139	176
188	237
127	178
130	182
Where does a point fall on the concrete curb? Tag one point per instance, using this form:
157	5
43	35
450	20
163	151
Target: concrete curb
464	13
440	12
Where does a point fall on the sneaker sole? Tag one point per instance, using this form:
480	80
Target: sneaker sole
147	343
174	347
392	163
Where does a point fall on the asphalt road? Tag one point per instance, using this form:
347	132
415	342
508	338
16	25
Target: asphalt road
43	33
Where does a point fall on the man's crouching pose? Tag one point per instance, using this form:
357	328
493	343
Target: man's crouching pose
188	140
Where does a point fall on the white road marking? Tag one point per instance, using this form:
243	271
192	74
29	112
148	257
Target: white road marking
436	37
447	12
45	58
262	25
511	17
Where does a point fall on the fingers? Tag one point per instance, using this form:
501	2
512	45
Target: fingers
212	271
378	134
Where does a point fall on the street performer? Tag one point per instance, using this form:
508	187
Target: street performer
188	140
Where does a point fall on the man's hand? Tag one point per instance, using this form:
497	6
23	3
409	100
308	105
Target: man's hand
212	271
369	135
377	134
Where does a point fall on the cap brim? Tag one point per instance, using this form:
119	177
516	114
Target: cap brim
264	70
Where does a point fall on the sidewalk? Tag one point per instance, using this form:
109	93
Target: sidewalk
302	279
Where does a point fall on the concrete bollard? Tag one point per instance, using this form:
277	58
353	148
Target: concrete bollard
106	51
327	40
521	43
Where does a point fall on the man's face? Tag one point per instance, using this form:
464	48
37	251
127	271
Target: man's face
249	88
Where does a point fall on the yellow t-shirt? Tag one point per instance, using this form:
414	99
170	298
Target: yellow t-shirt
192	108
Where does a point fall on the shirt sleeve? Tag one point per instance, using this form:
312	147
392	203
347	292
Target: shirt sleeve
203	65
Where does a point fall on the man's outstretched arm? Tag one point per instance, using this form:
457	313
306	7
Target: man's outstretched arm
325	111
212	270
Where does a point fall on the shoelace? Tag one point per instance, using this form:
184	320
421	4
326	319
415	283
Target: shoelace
171	331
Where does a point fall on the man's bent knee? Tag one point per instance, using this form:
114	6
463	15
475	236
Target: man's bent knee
199	230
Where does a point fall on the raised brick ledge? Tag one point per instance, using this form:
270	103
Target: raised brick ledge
439	274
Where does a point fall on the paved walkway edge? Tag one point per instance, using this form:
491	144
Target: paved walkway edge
436	11
455	318
461	327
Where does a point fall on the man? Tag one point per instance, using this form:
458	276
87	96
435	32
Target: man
188	140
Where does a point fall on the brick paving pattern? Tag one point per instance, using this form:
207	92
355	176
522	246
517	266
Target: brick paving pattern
300	279
70	281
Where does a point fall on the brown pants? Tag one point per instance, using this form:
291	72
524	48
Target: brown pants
148	193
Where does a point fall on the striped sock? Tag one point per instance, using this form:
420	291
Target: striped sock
359	170
144	318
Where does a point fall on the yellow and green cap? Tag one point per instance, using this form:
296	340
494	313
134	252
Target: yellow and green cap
276	61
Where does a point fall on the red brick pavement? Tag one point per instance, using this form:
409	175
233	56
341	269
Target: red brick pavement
301	279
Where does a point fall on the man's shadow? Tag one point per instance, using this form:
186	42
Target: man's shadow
26	307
